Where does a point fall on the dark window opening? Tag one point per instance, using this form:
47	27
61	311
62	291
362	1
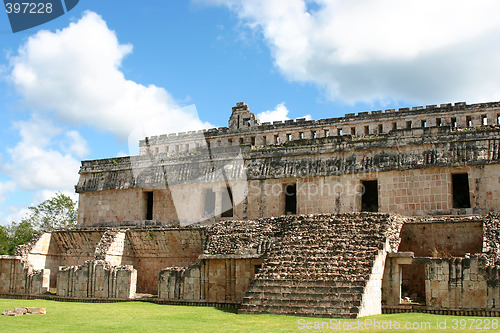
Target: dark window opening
369	199
439	122
327	132
498	119
227	203
367	130
454	122
252	140
468	121
230	141
380	128
290	199
313	134
247	122
276	139
264	140
424	123
149	205
408	124
353	130
394	126
241	141
209	203
461	195
301	135
339	132
256	269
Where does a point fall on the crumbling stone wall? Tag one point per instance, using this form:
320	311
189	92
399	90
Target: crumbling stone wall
17	277
462	283
97	279
491	238
440	236
363	124
443	235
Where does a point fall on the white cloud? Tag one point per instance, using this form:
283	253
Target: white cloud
5	188
372	50
280	112
49	194
75	72
13	215
34	162
76	144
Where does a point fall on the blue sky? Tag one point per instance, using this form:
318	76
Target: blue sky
87	84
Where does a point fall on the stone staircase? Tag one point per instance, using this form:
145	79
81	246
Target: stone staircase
323	265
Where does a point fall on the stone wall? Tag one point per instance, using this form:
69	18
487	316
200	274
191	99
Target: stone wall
363	124
462	283
223	280
111	205
16	277
443	236
491	238
148	250
97	279
426	191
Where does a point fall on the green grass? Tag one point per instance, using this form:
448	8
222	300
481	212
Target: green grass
147	317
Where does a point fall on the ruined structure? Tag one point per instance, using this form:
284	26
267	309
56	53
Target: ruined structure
384	211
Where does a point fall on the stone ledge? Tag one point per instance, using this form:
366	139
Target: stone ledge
493	312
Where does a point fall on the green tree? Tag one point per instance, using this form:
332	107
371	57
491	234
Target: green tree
4	240
59	212
19	233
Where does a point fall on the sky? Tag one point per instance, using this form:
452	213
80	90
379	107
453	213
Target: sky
90	83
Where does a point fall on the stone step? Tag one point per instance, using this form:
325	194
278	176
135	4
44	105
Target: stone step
331	302
308	283
306	291
311	311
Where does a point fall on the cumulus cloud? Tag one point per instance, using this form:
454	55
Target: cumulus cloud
280	112
5	188
13	214
36	164
371	50
75	73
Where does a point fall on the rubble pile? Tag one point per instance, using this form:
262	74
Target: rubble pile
245	237
491	238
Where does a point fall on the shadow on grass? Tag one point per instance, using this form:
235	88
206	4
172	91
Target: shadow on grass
227	310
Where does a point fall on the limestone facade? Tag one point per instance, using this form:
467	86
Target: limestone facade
334	217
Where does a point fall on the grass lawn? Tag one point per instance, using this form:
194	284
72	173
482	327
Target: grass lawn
147	317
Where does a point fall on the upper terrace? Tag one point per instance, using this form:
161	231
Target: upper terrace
245	128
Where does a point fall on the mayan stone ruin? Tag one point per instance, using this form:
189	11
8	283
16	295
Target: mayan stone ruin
376	212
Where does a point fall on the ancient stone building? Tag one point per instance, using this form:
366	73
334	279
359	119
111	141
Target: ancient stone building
339	217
